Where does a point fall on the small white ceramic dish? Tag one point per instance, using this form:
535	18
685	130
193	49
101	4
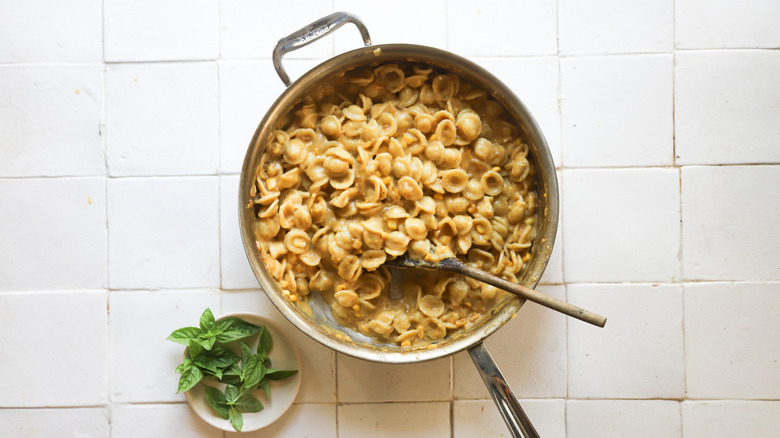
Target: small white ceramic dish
283	356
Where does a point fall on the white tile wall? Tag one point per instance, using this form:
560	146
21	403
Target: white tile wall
52	122
63	248
51	31
163	232
43	423
54	348
152	135
363	381
638	354
731	346
158	421
621	225
723	419
725	107
160	30
617	110
614	26
412	420
502	28
622	419
123	127
733	240
714	24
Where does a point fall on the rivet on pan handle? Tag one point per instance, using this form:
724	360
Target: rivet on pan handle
311	33
518	423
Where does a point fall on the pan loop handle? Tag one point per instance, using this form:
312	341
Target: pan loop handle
312	33
514	417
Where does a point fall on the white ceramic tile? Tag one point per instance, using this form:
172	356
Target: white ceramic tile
481	418
622	419
716	24
731	346
53	233
139	322
727	104
53	349
162	119
391	420
725	419
251	29
44	423
302	420
530	351
155	30
51	120
730	223
614	26
364	381
638	354
535	82
163	232
159	421
246	92
318	363
617	110
621	225
405	21
502	28
51	31
235	270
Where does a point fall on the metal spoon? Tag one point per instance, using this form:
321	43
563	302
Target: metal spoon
452	264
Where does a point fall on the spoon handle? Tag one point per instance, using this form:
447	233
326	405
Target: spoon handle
456	266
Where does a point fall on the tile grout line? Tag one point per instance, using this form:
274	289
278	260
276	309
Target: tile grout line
104	140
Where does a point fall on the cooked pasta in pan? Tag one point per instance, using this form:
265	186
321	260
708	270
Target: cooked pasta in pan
385	161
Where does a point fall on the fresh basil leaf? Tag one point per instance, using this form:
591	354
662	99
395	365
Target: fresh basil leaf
190	376
217	401
231	394
253	371
184	335
220	356
266	385
195	348
236	419
233	370
207	340
246	353
207	320
265	343
233	329
186	363
247	403
274	374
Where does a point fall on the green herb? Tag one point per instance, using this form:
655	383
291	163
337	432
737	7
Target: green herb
210	357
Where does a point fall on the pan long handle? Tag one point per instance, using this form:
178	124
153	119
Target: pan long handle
311	33
514	417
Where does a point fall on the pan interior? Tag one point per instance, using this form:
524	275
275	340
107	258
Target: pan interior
314	317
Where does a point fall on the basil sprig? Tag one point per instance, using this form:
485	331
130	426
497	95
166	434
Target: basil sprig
210	358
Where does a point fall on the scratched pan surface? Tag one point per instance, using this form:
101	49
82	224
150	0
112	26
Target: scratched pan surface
318	322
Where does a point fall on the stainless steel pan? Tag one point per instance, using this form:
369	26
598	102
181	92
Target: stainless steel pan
316	320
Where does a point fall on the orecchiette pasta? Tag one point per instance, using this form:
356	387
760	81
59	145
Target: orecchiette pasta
395	159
